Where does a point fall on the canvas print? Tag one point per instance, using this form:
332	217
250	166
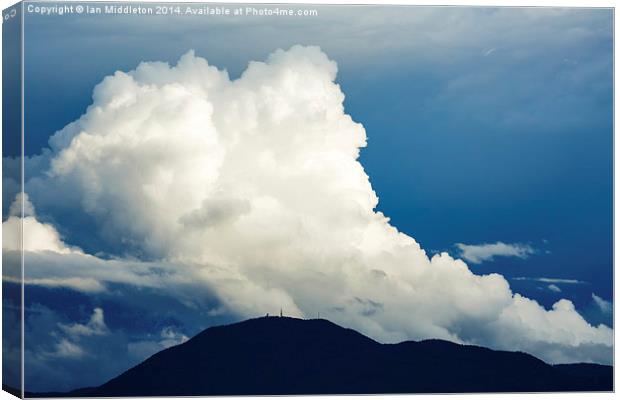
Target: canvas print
279	199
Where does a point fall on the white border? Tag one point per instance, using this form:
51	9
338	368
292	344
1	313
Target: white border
505	3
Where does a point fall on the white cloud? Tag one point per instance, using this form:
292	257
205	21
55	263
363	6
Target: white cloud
86	285
480	253
37	236
66	349
95	276
168	337
95	326
605	306
550	280
68	345
59	361
252	189
559	280
21	203
554	288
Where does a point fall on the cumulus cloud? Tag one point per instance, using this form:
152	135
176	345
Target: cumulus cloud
252	189
477	254
604	305
554	288
37	236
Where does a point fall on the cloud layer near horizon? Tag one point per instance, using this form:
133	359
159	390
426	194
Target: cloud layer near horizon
252	188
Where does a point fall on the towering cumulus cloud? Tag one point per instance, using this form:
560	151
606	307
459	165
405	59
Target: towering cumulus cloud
253	188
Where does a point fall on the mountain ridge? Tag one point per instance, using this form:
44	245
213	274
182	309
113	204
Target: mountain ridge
284	355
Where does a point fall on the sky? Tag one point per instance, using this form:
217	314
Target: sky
347	174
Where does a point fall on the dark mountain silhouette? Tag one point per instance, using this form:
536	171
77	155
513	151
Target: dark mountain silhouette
280	355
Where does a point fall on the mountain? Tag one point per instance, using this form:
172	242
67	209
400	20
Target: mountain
281	355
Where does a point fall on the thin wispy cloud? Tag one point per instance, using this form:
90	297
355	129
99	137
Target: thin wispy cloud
549	280
86	285
605	306
479	253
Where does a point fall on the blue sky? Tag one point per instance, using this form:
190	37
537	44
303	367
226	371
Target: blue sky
484	126
512	146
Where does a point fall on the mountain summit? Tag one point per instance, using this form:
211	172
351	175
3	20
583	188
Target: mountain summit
281	355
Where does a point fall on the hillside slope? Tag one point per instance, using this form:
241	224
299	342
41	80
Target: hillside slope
280	355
